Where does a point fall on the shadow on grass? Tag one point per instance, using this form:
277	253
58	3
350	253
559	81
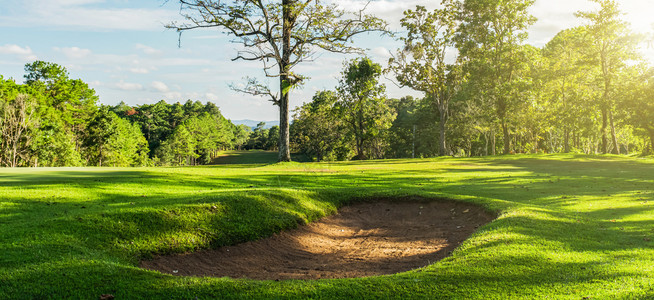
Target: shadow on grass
35	177
527	275
116	227
250	158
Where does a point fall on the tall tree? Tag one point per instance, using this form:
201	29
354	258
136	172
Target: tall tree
613	44
179	149
362	103
403	142
241	135
211	133
17	120
281	35
259	137
154	123
273	137
128	145
639	102
490	41
566	81
100	131
424	65
71	99
316	130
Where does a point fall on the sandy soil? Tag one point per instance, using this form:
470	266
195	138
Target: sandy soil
361	240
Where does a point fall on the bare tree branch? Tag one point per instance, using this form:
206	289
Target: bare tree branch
281	34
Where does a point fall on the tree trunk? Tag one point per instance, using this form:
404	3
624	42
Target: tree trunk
651	139
614	139
442	141
284	149
360	154
493	141
486	136
284	81
566	143
359	134
604	141
14	153
507	141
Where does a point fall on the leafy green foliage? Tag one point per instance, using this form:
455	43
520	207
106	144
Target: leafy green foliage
114	141
205	132
567	89
281	35
415	130
423	62
362	106
53	120
566	97
638	103
317	130
56	110
490	41
612	45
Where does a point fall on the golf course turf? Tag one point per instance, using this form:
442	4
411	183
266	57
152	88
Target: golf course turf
568	226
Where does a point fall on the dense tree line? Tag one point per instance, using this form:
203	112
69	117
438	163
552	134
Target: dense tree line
183	134
485	92
44	121
586	91
52	120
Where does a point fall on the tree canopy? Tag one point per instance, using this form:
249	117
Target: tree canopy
586	91
280	35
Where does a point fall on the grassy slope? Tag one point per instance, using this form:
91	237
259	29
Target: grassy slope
569	226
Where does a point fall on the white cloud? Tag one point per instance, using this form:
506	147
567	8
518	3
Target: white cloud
159	86
388	10
73	52
192	96
139	70
172	97
15	49
146	100
212	97
147	50
381	54
186	62
207	37
76	2
127	86
554	16
79	15
24	53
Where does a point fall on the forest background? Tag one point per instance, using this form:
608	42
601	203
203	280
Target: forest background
588	90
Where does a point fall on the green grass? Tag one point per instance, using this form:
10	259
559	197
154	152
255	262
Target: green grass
250	158
569	227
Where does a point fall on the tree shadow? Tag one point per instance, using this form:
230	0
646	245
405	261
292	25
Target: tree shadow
539	198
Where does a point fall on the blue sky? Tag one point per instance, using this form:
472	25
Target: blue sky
121	48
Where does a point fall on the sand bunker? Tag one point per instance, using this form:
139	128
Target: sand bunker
361	240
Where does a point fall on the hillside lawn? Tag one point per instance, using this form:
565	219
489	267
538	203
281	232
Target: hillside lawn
569	226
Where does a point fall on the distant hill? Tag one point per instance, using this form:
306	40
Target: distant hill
252	123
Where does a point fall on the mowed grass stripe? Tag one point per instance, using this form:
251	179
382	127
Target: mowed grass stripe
569	226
